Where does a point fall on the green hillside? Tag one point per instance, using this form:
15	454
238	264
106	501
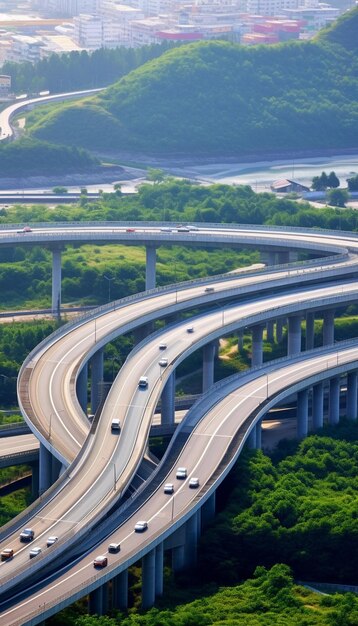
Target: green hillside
217	98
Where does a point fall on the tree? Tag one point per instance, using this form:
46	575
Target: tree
155	175
353	183
320	183
337	197
60	190
333	181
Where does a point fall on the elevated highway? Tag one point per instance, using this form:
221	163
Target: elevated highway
58	363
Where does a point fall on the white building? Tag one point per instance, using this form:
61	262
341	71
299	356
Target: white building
270	7
24	48
88	31
65	8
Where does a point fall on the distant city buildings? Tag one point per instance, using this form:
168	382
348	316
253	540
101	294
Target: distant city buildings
60	26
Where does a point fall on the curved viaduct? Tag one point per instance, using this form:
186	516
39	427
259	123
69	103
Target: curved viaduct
98	467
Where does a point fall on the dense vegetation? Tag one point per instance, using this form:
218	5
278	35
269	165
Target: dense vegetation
216	98
301	510
270	598
31	156
79	70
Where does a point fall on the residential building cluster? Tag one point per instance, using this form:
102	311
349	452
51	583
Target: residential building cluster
60	26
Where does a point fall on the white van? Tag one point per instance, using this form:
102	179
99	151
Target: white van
116	425
143	382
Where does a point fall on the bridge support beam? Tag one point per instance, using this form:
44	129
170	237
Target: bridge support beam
96	379
95	601
352	396
270	331
208	365
317	406
45	462
148	579
334	392
283	257
280	322
178	558
328	327
150	267
294	335
191	542
35	474
168	401
159	569
208	510
258	431
251	440
120	591
257	353
309	344
240	341
81	388
302	413
56	282
56	466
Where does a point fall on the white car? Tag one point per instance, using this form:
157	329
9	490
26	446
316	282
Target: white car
169	488
190	329
162	346
194	483
163	362
141	526
51	540
35	551
181	473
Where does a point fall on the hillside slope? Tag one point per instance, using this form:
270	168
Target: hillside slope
217	98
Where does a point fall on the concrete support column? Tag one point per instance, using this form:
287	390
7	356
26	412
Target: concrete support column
56	282
150	267
351	409
120	590
191	545
283	257
208	365
208	510
279	329
257	354
55	469
142	332
258	429
302	413
251	440
168	401
270	258
96	379
159	569
178	558
240	341
45	469
328	327
334	392
81	388
309	331
317	406
95	601
148	579
35	480
270	331
294	335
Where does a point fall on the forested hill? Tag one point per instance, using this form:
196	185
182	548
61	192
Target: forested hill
220	99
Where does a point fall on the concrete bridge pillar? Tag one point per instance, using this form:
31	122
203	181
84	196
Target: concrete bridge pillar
208	510
159	569
56	282
269	258
302	413
240	342
56	466
317	406
283	257
81	388
270	331
35	474
351	408
96	379
150	267
95	601
251	440
178	558
191	545
148	579
333	407
168	401
280	323
309	331
294	335
208	365
258	431
328	327
45	463
120	591
257	353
